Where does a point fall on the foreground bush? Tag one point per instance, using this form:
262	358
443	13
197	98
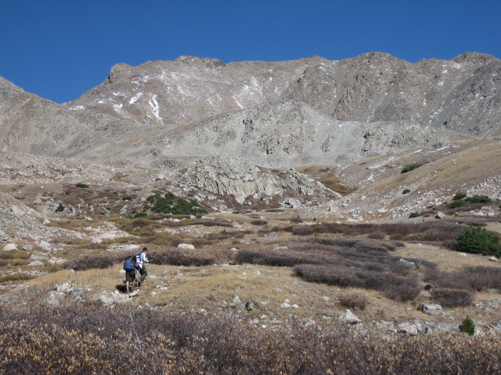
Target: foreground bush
96	340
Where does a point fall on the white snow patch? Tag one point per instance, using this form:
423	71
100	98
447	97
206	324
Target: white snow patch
117	107
440	149
155	108
441	83
135	98
424	102
76	108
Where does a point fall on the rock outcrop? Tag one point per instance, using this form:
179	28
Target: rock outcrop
228	175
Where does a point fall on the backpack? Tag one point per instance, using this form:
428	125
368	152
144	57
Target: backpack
138	258
128	265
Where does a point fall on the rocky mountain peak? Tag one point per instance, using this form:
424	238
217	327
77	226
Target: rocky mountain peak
207	61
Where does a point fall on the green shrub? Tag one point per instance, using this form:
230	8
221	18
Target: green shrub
140	214
455	204
170	204
467	325
406	191
459	196
477	240
127	198
60	208
80	185
478	199
411	167
414	214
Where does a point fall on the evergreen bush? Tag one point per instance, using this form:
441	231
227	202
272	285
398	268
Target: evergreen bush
477	240
170	204
411	167
478	199
459	196
467	325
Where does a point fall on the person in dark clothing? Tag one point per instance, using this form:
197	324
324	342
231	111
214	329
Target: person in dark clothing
130	273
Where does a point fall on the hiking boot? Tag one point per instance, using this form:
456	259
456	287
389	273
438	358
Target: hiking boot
138	284
130	289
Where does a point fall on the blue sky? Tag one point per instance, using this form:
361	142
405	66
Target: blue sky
58	49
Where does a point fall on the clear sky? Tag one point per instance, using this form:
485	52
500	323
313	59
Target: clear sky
58	49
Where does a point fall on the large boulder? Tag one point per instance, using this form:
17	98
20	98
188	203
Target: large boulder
348	317
431	309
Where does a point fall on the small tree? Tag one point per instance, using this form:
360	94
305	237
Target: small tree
477	240
467	325
60	208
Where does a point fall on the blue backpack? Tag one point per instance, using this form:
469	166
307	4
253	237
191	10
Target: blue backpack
128	265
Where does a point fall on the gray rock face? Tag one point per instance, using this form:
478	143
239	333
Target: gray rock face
275	114
228	175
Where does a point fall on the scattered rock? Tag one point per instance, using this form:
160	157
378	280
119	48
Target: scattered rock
70	284
186	246
440	215
44	245
17	211
36	263
430	309
38	255
53	298
348	317
130	247
407	264
409	328
10	247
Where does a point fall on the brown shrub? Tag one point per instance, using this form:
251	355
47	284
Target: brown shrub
376	236
92	339
86	262
353	301
183	257
15	277
259	222
452	297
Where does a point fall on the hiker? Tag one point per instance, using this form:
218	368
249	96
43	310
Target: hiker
141	259
130	273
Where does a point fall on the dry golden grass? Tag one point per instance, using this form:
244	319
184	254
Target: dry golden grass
327	176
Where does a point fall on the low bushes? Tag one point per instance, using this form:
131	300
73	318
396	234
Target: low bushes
394	287
100	261
185	257
344	262
452	297
353	301
90	339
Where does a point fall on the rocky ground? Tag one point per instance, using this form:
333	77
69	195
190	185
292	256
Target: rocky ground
37	239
